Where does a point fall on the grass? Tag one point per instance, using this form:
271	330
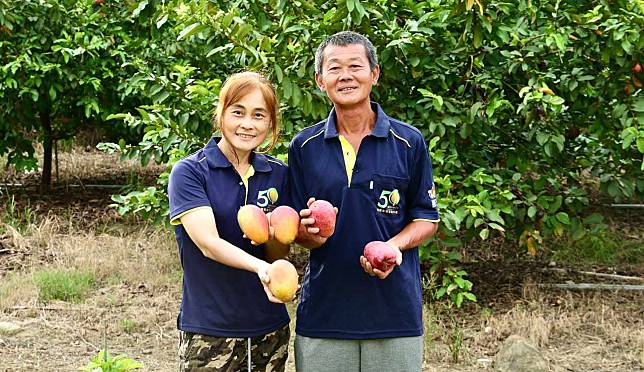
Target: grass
605	248
15	216
16	288
64	285
128	325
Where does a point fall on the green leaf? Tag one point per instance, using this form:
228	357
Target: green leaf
638	105
563	218
532	211
470	296
494	215
560	41
594	218
441	292
190	30
142	5
474	110
350	5
278	73
484	233
542	138
496	226
555	205
460	282
116	116
162	20
361	11
159	98
478	36
295	28
219	49
640	144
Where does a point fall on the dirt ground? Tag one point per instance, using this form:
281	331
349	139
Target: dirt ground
134	311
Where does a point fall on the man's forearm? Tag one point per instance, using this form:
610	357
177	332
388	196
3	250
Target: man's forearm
413	234
309	241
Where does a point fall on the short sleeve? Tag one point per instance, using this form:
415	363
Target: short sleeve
186	189
422	191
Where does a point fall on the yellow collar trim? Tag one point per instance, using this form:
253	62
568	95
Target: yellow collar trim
349	155
249	173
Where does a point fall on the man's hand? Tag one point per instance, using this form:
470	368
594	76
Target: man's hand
308	236
381	274
307	221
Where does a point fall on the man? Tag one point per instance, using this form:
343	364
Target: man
377	172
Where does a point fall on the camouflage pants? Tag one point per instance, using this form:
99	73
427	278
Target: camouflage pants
199	352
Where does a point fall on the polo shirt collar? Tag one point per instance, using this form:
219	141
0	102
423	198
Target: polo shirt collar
381	129
217	159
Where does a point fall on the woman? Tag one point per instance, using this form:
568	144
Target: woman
229	320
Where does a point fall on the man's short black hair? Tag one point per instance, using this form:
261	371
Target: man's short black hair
342	39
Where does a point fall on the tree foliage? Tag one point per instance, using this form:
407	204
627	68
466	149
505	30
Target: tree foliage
526	105
60	67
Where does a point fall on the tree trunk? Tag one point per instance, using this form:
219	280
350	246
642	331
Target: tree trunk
45	180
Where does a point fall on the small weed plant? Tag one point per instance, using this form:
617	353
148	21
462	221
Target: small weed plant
446	279
104	362
128	325
455	344
18	218
65	285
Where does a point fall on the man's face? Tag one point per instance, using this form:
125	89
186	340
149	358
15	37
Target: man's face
346	76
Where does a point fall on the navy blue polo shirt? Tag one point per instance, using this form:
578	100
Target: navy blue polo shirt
220	300
388	185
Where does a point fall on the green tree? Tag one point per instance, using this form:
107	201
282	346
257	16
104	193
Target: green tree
523	103
61	64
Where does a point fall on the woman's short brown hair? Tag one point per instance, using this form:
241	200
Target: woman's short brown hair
242	83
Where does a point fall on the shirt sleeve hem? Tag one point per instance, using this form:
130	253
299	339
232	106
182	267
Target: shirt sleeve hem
428	220
176	219
425	215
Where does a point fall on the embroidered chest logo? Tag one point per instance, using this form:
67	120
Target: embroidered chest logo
266	199
388	202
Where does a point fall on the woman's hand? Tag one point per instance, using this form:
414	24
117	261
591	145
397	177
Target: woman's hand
264	278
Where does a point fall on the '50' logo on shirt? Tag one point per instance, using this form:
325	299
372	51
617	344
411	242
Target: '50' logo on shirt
266	197
388	202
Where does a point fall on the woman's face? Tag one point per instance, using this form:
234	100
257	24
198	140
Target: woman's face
245	123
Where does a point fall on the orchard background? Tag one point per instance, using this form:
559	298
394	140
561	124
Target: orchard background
532	110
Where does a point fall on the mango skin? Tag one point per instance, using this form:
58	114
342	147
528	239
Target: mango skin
253	222
324	215
285	222
380	255
283	280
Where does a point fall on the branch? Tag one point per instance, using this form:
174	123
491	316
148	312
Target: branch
592	273
625	287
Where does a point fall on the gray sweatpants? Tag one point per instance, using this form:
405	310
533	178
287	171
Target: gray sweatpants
377	355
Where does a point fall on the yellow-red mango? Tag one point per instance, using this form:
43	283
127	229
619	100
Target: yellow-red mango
285	222
283	280
253	222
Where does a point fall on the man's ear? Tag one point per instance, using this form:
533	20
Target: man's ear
375	74
320	83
